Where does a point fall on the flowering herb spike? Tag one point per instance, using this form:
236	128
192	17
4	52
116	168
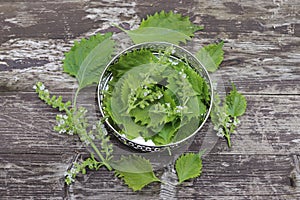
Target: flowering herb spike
80	167
74	121
55	102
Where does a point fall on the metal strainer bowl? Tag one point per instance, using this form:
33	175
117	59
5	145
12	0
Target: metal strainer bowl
155	47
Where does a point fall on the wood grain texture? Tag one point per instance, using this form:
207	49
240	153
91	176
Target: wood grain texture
262	58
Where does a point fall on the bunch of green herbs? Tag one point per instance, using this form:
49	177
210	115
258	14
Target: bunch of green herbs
155	97
86	61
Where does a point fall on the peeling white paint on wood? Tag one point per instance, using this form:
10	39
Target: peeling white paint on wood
51	50
23	19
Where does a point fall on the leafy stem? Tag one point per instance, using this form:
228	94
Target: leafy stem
225	114
81	127
75	122
227	136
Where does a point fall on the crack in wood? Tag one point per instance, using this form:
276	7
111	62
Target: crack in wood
168	187
295	174
6	65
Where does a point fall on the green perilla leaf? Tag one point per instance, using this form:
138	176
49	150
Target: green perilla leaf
188	166
211	56
136	171
236	103
87	59
166	27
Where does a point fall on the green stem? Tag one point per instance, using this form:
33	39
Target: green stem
119	27
83	135
228	140
100	156
103	160
75	97
227	135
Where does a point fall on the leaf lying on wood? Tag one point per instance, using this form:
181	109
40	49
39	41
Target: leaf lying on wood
167	27
86	59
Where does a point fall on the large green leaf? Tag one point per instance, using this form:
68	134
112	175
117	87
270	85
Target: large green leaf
167	27
188	166
153	34
211	56
136	171
87	58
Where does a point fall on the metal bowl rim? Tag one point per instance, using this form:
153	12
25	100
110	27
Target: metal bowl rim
140	46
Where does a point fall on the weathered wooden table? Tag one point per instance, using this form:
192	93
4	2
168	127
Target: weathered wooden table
262	45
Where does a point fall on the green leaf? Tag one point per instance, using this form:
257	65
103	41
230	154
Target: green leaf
167	27
130	60
153	34
187	127
211	56
188	166
165	135
236	103
136	171
141	115
87	58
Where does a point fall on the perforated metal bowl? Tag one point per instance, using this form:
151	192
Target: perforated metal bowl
155	47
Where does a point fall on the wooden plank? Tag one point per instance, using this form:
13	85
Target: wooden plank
46	19
269	126
29	176
27	126
261	57
255	149
262	51
236	177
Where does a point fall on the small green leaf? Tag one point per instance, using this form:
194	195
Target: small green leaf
188	166
211	56
236	103
87	59
167	27
141	115
136	171
165	134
